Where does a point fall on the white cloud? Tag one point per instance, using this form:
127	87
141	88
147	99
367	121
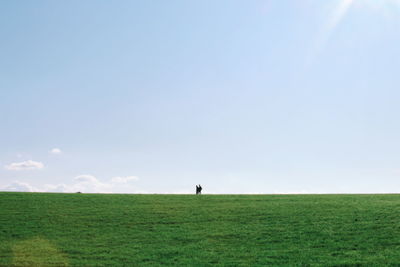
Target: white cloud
84	183
90	184
25	165
125	179
55	151
86	178
19	187
60	188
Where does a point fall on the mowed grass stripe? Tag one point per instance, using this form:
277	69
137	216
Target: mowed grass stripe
39	229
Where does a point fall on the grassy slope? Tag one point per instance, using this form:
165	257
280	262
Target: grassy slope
147	230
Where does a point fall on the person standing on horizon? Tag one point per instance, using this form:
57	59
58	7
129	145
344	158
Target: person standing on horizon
198	189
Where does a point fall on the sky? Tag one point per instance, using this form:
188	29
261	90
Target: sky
242	97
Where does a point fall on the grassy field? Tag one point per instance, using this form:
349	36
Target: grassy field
227	230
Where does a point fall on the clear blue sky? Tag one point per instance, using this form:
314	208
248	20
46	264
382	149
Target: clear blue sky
271	96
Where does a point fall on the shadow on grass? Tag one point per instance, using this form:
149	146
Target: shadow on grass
37	252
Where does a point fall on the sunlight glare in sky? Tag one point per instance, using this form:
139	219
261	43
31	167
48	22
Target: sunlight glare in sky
385	7
340	11
336	16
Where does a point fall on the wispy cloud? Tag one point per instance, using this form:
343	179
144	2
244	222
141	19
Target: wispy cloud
55	151
124	180
25	165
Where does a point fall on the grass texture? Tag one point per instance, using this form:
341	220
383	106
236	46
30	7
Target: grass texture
45	229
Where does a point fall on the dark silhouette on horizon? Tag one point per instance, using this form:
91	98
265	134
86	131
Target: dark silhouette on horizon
198	189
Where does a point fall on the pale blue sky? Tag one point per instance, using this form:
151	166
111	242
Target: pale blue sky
239	96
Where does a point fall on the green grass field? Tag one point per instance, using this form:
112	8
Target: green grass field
38	229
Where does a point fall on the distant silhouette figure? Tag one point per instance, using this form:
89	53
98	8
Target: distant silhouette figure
198	189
